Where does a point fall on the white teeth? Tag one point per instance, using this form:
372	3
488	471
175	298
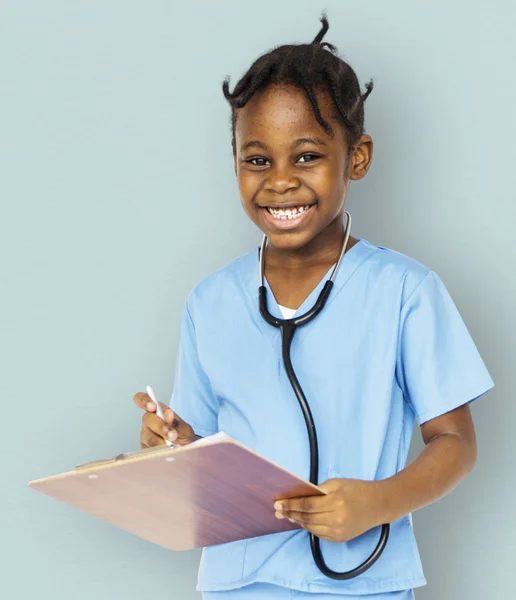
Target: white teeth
287	213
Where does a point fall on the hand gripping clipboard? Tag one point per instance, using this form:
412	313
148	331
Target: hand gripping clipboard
212	491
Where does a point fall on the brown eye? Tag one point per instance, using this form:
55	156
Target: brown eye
314	155
257	158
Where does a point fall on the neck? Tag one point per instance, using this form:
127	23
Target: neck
324	249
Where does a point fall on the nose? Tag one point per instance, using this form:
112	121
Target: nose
281	181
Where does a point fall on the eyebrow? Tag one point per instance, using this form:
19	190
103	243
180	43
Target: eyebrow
295	143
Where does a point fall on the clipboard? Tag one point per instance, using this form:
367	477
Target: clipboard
212	491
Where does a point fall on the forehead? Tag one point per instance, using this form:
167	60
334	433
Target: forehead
284	112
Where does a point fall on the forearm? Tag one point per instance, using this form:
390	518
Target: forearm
443	463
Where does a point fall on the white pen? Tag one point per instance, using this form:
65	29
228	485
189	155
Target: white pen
159	411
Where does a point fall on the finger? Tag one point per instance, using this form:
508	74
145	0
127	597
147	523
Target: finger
304	519
179	430
182	433
321	531
144	401
149	439
170	416
310	504
151	421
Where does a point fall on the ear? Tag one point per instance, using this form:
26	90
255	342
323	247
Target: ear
360	157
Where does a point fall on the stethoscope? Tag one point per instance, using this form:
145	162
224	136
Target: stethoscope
288	328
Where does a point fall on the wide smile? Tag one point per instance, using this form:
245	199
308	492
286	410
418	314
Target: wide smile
288	218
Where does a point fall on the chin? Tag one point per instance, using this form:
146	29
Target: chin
289	240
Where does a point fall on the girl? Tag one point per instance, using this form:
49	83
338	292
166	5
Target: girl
389	346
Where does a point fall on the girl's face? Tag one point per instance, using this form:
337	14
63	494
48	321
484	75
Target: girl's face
293	178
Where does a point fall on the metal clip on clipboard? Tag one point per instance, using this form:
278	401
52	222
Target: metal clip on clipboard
122	456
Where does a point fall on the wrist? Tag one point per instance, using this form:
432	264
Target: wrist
385	494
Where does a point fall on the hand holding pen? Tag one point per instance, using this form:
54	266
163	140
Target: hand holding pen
160	424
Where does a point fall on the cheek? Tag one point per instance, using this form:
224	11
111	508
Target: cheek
248	205
335	191
327	181
248	188
332	181
248	181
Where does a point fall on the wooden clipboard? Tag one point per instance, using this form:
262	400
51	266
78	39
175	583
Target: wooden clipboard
212	491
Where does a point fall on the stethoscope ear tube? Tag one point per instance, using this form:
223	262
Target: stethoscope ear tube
288	329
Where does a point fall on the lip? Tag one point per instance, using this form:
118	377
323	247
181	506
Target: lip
283	224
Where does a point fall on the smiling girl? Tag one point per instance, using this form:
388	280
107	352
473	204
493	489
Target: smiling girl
388	347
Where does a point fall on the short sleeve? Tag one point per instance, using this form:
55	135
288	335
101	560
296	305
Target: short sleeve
193	398
438	365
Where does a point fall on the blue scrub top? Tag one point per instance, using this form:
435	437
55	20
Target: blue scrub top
389	347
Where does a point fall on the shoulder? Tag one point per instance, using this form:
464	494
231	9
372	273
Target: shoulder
226	282
393	268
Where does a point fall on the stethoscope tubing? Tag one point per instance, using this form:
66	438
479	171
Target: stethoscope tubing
288	328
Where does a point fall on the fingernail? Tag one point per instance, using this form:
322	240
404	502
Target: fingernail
277	505
172	435
150	405
291	520
279	515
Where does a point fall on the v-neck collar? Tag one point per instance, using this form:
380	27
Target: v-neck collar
272	303
351	260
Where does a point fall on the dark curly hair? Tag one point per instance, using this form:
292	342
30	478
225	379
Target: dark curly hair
309	67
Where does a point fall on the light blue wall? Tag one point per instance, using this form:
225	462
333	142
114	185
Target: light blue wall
118	194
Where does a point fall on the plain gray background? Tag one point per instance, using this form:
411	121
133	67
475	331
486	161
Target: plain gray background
118	194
